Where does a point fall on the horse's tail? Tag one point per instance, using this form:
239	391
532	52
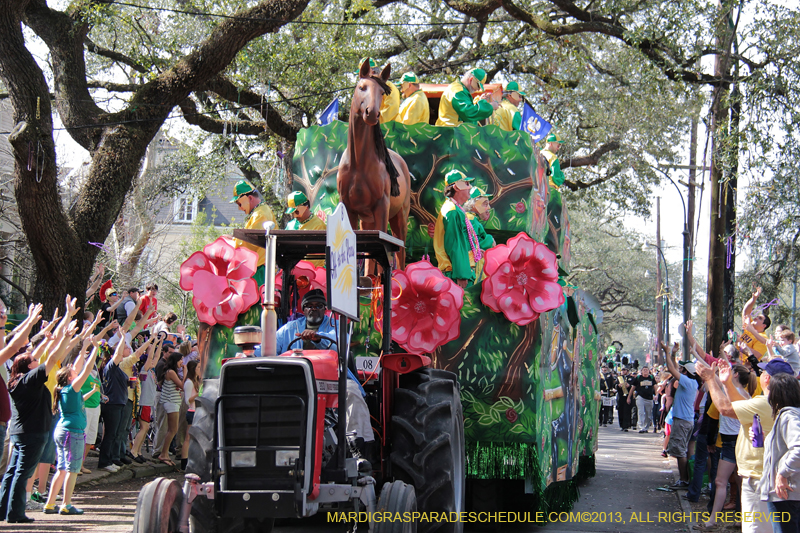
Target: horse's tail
383	153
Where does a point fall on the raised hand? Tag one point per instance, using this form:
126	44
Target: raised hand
71	307
725	370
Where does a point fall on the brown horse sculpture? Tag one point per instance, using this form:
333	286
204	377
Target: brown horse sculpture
374	183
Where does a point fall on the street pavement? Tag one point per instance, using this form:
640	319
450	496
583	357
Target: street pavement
630	472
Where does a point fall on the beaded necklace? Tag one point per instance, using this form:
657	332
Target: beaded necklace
472	237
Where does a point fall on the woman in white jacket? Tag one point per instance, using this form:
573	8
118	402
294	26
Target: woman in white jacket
779	483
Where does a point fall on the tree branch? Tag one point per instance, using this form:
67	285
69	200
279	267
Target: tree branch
213	125
224	88
114	87
591	159
114	56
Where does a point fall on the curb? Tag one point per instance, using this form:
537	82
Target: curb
124	474
686	507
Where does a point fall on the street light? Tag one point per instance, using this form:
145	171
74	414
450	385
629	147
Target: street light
687	290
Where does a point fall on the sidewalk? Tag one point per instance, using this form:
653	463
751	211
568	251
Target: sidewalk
630	471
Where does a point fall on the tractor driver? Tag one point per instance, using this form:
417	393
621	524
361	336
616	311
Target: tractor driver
309	327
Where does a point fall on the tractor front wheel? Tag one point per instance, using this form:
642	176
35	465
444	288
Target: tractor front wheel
428	443
396	498
158	508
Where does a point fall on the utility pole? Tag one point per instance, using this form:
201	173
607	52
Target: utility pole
660	299
688	236
719	132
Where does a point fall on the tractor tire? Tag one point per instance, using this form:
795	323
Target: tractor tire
158	507
396	497
428	443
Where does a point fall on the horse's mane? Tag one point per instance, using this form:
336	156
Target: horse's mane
380	144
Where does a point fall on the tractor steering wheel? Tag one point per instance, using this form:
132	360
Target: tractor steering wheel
331	342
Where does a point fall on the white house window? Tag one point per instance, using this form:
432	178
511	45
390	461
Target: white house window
185	209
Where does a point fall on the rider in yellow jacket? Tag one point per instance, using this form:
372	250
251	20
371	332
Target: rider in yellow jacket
415	107
507	117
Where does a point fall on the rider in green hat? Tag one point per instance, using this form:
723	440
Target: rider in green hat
455	239
507	117
456	105
303	218
391	102
415	108
552	146
300	209
248	199
479	211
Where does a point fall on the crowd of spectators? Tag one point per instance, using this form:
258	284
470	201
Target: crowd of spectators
87	381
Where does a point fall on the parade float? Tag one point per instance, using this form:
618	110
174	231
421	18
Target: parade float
519	344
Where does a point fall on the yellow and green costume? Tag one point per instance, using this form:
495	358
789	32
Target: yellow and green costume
456	106
507	117
262	213
415	109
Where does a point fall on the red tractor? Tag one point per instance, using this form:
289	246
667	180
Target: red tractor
269	442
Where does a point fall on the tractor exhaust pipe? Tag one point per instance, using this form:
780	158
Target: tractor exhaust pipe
269	318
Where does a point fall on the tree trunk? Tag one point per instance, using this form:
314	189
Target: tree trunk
59	241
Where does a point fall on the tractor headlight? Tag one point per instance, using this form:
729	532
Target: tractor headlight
286	457
243	459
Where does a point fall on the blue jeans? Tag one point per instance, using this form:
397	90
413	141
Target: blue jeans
793	510
700	463
713	458
3	429
112	415
26	449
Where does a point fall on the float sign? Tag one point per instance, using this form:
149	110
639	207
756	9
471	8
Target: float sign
342	274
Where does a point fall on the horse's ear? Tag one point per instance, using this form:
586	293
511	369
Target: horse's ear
386	72
365	71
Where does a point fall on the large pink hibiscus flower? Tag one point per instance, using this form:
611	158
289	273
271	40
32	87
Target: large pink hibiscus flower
307	276
521	280
221	278
426	308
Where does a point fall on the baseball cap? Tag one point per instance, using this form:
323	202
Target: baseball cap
454	176
689	367
241	188
296	198
477	192
372	64
409	77
480	76
513	86
554	138
776	366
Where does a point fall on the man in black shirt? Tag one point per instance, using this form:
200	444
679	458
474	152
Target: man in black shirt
608	390
624	385
644	386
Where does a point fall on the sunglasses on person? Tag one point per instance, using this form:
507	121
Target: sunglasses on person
113	294
314	305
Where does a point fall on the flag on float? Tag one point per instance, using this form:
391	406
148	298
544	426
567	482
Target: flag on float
330	114
536	126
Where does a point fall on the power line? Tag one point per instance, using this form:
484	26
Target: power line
303	22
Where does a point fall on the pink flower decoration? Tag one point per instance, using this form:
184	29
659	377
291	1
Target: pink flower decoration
426	308
221	278
521	280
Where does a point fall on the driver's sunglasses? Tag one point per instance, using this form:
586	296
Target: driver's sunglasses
315	306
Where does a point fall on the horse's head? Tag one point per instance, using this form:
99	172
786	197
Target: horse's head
369	93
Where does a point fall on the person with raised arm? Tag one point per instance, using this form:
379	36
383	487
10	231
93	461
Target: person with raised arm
30	418
147	378
753	328
682	412
70	437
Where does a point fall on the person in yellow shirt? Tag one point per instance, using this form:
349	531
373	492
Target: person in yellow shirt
415	108
300	209
456	105
249	201
507	117
550	152
391	102
304	219
754	327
